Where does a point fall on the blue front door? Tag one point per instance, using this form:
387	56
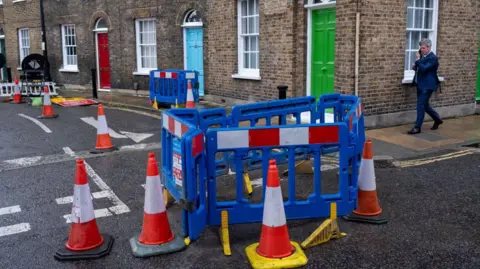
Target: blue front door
194	55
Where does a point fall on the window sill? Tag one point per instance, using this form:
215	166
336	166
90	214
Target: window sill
19	69
410	80
69	70
249	77
141	73
18	1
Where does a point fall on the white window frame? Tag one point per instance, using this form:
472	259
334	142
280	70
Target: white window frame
66	66
409	74
21	46
246	73
141	70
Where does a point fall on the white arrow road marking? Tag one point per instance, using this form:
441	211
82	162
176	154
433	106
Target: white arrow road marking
93	122
136	137
13	229
41	125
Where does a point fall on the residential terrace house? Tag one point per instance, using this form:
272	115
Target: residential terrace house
243	49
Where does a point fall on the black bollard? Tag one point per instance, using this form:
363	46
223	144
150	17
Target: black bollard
282	92
94	83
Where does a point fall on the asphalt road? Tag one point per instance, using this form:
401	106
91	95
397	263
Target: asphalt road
432	209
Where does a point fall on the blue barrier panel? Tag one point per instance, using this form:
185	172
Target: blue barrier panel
216	117
206	138
170	86
267	111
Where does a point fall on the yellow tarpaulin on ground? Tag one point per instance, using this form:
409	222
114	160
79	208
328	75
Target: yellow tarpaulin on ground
73	101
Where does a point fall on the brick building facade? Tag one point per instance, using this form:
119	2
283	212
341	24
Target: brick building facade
248	47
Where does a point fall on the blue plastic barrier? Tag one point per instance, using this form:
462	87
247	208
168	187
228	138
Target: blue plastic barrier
210	142
170	85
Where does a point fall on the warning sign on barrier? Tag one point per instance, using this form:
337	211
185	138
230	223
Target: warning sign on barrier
177	162
73	101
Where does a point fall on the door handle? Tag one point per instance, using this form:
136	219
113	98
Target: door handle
324	69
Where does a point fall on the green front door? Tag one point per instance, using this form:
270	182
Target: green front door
323	52
478	75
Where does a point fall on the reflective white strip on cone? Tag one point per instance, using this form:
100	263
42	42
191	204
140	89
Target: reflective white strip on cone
366	178
178	129
189	95
154	202
102	127
17	89
294	136
273	211
46	100
82	209
233	139
165	121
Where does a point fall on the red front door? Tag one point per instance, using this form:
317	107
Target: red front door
104	61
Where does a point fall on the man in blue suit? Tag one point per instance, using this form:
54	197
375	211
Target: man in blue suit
426	79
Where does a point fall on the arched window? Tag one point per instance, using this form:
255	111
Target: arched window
101	25
193	17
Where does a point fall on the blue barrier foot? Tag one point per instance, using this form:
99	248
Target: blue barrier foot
141	251
378	219
104	249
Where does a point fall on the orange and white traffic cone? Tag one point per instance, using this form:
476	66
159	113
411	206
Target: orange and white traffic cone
190	99
156	236
47	112
17	95
85	241
275	250
104	141
368	208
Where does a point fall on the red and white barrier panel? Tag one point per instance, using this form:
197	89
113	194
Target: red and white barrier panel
277	137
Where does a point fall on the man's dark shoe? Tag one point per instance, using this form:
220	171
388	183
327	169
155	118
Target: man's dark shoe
436	124
414	131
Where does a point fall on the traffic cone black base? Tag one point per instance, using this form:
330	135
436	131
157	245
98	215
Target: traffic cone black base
296	259
64	254
141	251
99	151
48	117
378	219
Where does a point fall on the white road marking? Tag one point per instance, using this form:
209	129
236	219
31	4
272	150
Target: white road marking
24	161
137	137
99	213
93	122
137	146
95	195
67	156
10	210
15	229
69	151
118	208
37	122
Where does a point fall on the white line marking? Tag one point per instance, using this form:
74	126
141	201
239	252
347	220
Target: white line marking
93	122
137	137
137	146
14	229
95	195
37	122
118	208
24	161
69	151
99	213
10	210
